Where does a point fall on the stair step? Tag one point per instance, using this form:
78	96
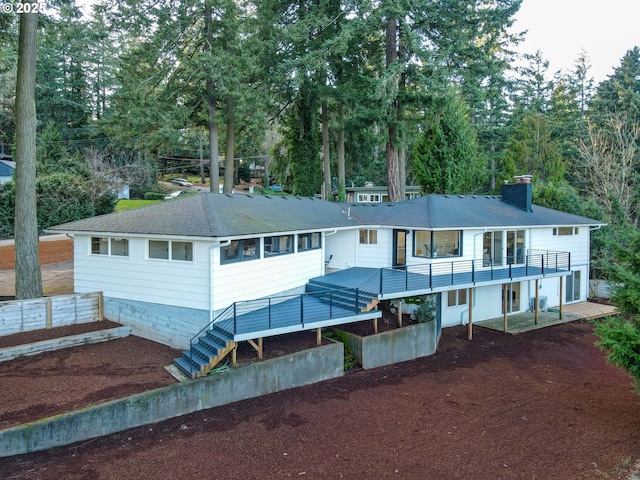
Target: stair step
212	343
187	367
202	350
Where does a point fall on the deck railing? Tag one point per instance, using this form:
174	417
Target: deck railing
286	310
293	310
429	276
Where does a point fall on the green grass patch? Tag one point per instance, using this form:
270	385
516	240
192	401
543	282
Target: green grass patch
124	204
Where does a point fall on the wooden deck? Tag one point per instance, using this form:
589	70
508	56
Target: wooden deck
523	322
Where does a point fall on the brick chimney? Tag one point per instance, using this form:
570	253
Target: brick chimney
518	194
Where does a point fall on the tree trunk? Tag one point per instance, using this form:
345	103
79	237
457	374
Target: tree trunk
342	190
326	154
28	275
214	171
393	173
230	149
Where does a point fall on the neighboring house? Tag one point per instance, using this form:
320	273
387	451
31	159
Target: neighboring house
7	169
378	194
255	266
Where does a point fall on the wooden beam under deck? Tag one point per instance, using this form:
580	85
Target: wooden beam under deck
257	347
470	324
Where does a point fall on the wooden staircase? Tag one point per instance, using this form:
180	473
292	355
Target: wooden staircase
204	355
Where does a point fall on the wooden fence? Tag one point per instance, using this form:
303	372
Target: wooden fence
26	315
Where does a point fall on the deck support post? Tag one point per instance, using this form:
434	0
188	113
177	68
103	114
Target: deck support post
536	307
375	325
234	354
470	324
399	313
257	347
318	336
561	293
505	292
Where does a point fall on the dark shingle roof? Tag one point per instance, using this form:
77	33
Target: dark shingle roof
216	215
460	211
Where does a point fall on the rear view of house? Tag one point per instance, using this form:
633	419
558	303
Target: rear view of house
242	267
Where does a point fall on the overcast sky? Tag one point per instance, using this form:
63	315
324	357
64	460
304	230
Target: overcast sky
560	29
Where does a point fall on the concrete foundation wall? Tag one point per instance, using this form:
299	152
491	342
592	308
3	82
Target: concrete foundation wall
165	324
400	345
262	378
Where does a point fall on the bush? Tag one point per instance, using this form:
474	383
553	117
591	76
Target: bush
154	196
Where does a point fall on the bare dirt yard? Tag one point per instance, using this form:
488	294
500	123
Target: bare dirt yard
539	405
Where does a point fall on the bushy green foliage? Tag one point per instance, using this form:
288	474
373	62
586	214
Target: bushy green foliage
244	172
446	157
62	197
154	196
620	336
7	209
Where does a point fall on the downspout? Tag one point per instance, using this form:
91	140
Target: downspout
215	245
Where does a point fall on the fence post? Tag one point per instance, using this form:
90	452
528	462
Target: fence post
49	308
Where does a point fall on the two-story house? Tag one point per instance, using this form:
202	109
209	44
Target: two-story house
252	266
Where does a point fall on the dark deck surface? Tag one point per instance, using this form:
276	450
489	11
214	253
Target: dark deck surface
389	281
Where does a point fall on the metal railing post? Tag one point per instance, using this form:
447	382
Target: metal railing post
431	275
302	310
235	319
330	304
357	299
269	312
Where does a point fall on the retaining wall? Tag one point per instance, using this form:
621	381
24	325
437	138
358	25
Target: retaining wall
262	378
9	353
394	346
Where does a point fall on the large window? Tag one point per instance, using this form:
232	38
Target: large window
368	237
237	250
433	244
118	247
309	241
278	245
170	250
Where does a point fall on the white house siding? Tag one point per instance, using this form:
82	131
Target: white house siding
378	255
252	279
341	246
177	283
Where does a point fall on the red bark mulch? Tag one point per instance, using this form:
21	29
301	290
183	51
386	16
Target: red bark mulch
540	405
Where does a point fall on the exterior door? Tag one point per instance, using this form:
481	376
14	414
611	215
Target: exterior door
513	298
572	292
399	248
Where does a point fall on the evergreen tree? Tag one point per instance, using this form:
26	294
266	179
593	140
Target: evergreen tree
620	93
446	156
620	336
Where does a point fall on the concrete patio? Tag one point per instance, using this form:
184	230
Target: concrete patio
523	322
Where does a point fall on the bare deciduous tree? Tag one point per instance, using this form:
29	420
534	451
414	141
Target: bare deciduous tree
609	162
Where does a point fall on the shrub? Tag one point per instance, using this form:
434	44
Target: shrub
154	196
